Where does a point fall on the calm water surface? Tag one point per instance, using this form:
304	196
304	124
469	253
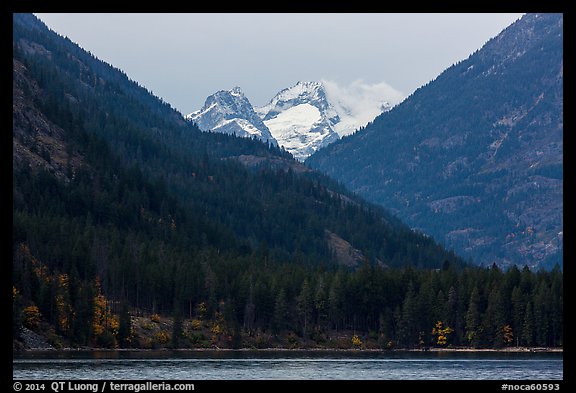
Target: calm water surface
270	365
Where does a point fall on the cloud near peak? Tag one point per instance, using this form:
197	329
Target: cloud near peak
360	102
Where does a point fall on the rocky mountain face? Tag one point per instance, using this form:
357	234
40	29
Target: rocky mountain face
302	118
230	112
36	141
475	157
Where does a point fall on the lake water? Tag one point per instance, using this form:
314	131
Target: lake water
293	365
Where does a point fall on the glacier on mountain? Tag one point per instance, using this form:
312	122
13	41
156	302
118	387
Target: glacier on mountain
301	119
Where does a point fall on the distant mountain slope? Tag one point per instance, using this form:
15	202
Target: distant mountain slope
475	157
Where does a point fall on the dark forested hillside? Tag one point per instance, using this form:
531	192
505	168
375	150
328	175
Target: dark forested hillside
121	208
475	157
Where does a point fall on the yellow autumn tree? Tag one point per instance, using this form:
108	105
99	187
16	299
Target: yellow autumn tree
161	337
441	333
201	309
40	270
507	334
63	307
114	324
103	319
356	341
99	320
31	317
196	324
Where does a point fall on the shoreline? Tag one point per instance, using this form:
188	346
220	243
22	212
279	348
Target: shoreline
264	350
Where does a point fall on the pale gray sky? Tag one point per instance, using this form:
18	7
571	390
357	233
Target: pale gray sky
183	58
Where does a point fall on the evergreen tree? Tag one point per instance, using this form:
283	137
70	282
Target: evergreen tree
321	303
176	328
528	326
494	319
453	314
280	321
335	302
408	324
250	313
518	311
16	314
473	328
305	304
125	327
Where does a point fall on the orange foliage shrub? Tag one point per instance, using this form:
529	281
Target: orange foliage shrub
32	317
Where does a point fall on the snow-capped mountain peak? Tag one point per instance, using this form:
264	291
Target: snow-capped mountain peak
302	118
301	92
230	112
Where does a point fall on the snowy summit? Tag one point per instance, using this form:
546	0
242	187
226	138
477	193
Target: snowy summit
302	118
230	112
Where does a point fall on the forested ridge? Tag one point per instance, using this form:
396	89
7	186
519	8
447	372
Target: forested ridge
123	212
474	157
